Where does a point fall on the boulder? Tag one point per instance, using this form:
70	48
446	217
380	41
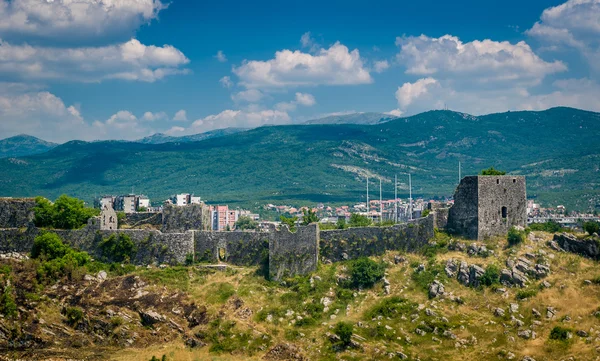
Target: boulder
451	268
436	289
475	273
150	317
463	273
587	247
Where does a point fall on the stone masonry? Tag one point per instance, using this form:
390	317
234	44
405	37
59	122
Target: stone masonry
488	206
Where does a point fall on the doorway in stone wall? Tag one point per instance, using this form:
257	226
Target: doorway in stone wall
504	212
221	254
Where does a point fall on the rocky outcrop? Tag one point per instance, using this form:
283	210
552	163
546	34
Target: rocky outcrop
588	247
436	289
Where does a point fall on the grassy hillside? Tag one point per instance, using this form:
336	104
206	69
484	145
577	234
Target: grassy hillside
556	149
235	314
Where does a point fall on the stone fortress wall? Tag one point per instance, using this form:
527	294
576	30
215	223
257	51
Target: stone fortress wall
286	253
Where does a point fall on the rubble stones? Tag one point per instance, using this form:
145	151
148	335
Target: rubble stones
399	259
526	334
451	268
436	289
474	275
499	312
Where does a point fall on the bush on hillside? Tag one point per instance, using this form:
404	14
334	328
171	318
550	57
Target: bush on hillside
117	248
364	272
515	236
65	213
344	331
560	333
591	227
58	259
491	276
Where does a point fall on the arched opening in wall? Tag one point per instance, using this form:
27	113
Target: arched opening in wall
221	254
504	212
497	181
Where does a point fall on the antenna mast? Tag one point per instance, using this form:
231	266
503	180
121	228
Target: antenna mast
396	198
368	197
380	203
410	215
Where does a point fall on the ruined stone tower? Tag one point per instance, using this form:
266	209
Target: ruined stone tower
487	206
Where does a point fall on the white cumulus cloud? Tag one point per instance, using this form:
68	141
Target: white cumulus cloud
336	65
574	24
380	66
250	96
409	92
481	61
226	82
239	118
180	116
131	60
304	99
221	56
75	21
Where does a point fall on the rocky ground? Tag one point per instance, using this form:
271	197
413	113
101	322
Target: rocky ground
438	305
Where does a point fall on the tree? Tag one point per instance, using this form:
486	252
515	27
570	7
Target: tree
245	222
290	221
50	246
357	220
65	213
591	227
309	216
364	272
341	223
492	171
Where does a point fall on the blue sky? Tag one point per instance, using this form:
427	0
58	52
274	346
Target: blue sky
124	69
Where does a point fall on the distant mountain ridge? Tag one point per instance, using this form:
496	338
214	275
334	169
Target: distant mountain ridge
23	145
557	149
354	118
160	138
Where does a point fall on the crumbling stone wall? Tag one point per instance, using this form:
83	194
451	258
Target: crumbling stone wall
463	216
293	254
16	212
487	206
152	246
351	243
138	219
185	218
241	248
440	214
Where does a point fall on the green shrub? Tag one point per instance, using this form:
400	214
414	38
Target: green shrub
357	220
515	236
309	216
491	276
344	331
425	212
432	272
65	213
245	222
591	227
392	307
73	315
528	293
550	227
560	333
341	223
364	272
290	221
50	246
8	306
163	358
117	248
492	171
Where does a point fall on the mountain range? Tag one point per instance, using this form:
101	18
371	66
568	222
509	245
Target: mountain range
557	149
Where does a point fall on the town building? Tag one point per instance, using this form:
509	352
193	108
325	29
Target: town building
184	199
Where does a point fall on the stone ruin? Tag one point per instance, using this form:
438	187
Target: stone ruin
488	206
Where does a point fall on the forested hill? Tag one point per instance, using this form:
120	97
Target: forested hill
557	149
